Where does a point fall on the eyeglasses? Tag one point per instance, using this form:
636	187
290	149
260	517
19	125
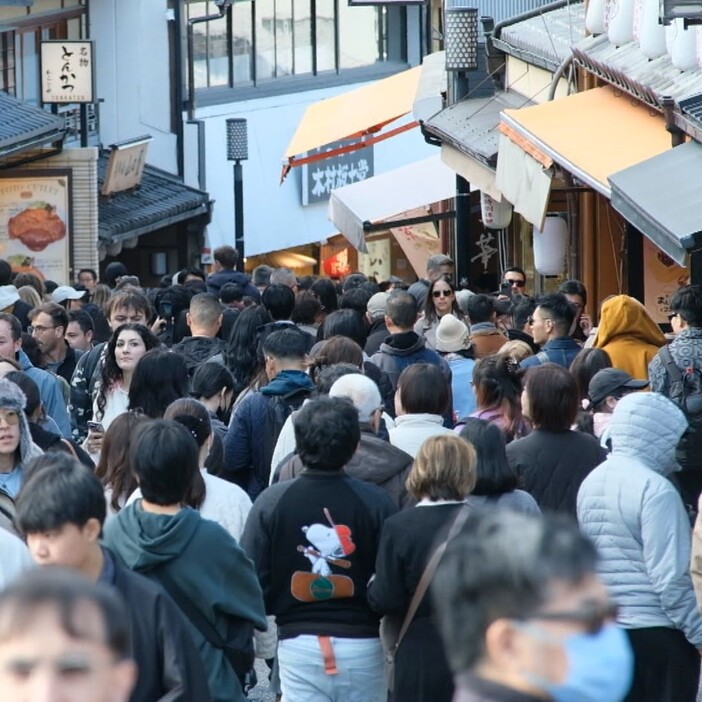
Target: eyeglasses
592	616
672	315
532	320
38	329
518	283
442	293
10	417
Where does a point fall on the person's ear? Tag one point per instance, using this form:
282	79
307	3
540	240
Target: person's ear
611	402
500	644
92	529
219	320
188	319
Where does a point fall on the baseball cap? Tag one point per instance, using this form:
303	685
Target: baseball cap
66	292
8	296
377	305
607	381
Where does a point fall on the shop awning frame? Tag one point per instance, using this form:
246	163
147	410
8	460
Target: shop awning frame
358	115
592	134
662	198
374	204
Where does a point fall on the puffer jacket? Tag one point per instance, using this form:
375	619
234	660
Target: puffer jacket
636	518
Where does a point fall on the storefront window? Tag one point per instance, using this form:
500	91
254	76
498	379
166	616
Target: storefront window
273	39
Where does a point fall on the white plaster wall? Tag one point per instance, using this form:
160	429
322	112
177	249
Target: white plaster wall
133	75
274	217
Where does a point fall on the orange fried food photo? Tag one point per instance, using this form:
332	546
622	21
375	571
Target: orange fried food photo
37	227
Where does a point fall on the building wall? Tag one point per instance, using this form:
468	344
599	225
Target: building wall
274	217
133	74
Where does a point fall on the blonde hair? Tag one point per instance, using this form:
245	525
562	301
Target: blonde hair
29	295
516	349
444	469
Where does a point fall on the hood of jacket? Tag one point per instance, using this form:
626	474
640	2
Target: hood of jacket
144	540
376	460
403	344
196	349
288	381
625	316
217	280
647	427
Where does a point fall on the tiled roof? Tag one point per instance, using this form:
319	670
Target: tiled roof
23	126
545	39
627	68
471	125
160	200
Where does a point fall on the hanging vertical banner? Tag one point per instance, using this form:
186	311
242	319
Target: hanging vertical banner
67	74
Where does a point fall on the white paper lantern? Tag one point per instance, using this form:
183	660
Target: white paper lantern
595	17
683	54
551	246
495	214
652	38
621	22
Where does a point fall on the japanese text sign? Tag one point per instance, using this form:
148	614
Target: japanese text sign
67	72
321	177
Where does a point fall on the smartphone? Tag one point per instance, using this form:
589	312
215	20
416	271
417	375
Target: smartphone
506	289
96	426
165	309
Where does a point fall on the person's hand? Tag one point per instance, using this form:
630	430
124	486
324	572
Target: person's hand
94	441
585	323
159	325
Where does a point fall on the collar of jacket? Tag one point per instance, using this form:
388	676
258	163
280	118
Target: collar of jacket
562	342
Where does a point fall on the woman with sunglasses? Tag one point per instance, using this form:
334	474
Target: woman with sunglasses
440	301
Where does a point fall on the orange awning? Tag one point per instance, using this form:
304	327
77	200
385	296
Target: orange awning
359	114
592	134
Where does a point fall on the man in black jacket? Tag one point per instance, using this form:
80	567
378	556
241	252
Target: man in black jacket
314	541
204	318
61	510
225	260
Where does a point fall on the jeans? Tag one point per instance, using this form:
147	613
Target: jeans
360	675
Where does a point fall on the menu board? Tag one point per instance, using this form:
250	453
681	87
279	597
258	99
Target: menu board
35	222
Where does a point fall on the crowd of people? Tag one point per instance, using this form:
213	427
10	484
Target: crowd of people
385	492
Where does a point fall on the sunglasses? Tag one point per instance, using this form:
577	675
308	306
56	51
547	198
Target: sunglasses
593	616
672	315
10	417
442	293
531	320
518	283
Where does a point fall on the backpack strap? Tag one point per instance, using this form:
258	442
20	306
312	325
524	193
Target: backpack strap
675	374
237	659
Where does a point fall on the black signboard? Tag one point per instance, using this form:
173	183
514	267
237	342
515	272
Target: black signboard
319	178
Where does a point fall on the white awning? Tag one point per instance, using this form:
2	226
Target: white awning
389	194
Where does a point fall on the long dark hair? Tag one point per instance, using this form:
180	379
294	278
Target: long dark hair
113	468
111	372
193	415
498	387
241	354
160	378
430	315
585	365
494	474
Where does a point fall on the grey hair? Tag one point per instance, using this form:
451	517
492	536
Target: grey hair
501	566
362	391
283	276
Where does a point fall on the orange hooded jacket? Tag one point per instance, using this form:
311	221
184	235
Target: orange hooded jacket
628	335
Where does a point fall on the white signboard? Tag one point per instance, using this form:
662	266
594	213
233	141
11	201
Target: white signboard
67	72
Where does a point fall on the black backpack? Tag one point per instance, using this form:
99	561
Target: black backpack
686	393
278	409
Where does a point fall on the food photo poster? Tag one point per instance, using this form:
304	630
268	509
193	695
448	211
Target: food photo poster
35	222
